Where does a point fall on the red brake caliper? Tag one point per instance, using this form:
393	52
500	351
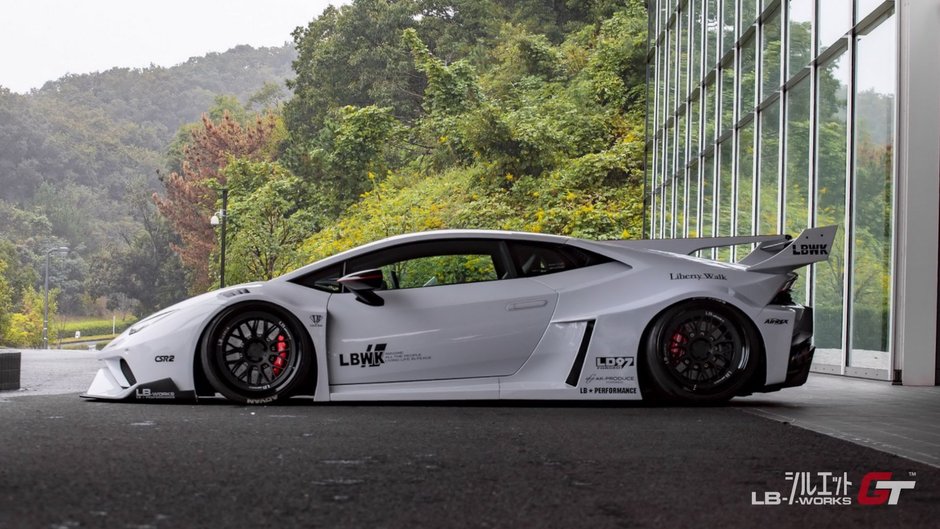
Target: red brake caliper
281	355
676	346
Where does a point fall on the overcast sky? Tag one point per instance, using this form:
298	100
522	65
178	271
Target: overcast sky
42	40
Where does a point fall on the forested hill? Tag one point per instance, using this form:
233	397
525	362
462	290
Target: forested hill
401	116
98	130
79	156
162	99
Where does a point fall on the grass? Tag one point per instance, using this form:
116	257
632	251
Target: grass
91	328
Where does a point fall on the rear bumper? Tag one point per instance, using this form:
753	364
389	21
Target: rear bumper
801	350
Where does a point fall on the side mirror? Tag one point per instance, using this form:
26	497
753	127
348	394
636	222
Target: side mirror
363	285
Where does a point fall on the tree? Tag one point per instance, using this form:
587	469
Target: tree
191	194
142	265
26	324
268	218
6	301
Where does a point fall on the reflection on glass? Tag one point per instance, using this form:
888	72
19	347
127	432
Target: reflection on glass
708	111
745	204
695	42
652	218
768	206
681	144
683	55
679	231
829	276
668	167
711	35
801	35
748	13
649	181
864	7
663	84
796	214
872	215
747	77
668	204
673	41
727	98
664	6
708	194
692	212
770	50
651	105
835	18
725	195
693	129
727	25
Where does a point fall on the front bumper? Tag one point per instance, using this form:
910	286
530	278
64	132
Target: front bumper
106	386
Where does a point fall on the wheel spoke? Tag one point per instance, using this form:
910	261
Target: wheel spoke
701	348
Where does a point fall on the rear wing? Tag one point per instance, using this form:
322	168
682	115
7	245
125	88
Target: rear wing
773	254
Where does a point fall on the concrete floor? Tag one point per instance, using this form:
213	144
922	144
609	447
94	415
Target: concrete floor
899	420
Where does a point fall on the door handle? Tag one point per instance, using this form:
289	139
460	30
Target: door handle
528	304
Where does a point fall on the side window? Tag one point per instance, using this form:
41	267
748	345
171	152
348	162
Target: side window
535	259
439	270
432	263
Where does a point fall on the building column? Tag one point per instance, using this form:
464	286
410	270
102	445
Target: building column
918	193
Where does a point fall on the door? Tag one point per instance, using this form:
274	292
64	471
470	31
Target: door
451	310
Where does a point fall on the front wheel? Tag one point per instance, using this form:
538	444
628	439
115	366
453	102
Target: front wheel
256	354
701	352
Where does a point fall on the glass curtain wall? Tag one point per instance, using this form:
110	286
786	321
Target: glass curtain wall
771	115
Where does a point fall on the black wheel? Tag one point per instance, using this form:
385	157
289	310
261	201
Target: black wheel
256	354
701	351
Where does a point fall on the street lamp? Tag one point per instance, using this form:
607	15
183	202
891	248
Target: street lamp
45	307
220	218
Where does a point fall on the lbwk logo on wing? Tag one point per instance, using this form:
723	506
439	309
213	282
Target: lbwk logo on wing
810	249
371	358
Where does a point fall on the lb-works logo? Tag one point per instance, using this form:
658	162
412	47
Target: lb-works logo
830	488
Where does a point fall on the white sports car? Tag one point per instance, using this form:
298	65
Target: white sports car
462	314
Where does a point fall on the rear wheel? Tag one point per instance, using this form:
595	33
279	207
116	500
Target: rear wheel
256	354
701	351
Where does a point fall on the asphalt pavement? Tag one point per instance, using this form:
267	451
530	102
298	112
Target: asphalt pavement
66	462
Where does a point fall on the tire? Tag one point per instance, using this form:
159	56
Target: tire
701	352
256	354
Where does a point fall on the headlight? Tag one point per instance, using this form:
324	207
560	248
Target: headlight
146	322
